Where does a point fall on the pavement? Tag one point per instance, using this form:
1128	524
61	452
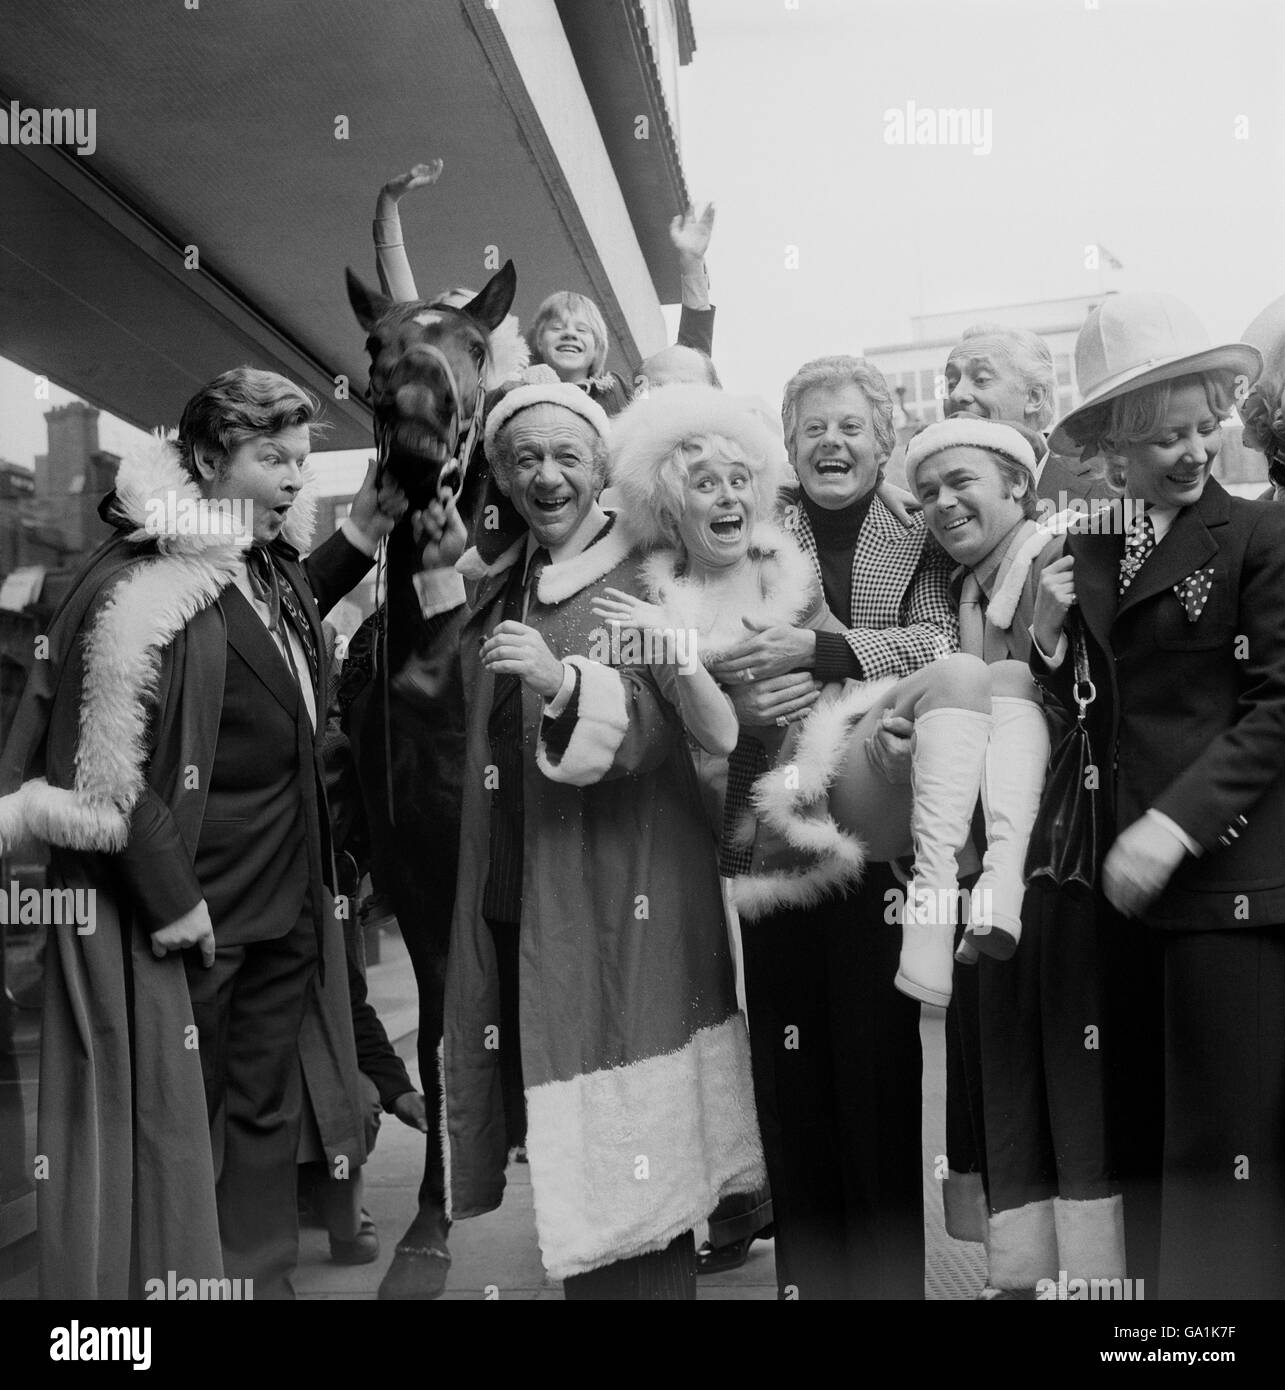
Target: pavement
496	1256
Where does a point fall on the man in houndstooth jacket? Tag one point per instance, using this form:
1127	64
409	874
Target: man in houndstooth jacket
835	1047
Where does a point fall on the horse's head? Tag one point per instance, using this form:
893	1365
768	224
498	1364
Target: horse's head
428	375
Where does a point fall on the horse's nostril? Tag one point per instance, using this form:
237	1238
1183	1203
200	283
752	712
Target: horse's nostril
417	401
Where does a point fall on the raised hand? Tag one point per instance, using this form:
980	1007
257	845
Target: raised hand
630	611
690	234
419	177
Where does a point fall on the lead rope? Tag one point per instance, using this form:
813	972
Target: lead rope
459	463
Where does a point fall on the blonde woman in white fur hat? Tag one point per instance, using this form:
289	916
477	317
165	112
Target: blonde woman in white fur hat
1185	628
696	471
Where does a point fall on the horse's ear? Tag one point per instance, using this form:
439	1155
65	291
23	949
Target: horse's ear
495	299
369	305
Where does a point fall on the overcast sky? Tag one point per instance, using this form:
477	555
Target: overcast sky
1113	123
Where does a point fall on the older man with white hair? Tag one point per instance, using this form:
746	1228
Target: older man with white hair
1000	373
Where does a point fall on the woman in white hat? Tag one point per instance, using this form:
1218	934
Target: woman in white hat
1185	629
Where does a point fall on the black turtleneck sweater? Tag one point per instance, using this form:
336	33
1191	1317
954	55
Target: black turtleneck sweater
836	533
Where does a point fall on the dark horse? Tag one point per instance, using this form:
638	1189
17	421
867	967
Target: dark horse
428	380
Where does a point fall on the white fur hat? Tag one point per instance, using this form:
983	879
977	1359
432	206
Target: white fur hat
647	433
968	431
542	386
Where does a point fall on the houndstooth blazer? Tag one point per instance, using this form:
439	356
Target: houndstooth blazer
901	613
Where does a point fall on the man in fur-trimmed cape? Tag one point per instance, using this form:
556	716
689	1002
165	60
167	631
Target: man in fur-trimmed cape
635	1059
117	757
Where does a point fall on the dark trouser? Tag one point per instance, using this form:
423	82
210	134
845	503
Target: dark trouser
740	1216
663	1274
249	1007
505	937
836	1049
1048	1039
1219	1057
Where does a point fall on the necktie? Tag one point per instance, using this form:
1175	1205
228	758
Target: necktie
267	586
1138	544
540	559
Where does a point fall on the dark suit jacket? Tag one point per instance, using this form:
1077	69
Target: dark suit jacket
259	826
1195	712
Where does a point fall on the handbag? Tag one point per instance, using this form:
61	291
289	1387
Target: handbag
1064	839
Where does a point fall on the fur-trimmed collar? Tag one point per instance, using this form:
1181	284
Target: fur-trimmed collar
154	491
148	605
1017	565
564	578
784	590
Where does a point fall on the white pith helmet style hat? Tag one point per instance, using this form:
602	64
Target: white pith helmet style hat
1135	339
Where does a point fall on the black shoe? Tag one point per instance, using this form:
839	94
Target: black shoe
717	1261
362	1249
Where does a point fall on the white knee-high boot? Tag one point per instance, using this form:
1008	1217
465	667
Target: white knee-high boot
947	756
1016	760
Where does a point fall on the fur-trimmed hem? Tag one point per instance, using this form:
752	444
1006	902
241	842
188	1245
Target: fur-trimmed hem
1023	1246
602	721
625	1159
1090	1237
786	798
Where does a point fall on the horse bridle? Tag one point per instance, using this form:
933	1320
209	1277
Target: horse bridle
450	478
453	472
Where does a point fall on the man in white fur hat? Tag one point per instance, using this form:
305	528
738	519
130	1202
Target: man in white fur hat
1025	1100
589	929
167	752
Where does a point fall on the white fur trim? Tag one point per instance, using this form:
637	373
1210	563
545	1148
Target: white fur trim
1003	602
541	386
564	578
472	566
783	807
787	589
602	721
146	607
967	431
59	816
1090	1237
650	429
689	1114
1022	1246
154	473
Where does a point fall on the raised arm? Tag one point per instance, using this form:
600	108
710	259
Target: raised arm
690	235
395	276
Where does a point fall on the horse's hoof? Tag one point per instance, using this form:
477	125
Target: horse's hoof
418	1271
